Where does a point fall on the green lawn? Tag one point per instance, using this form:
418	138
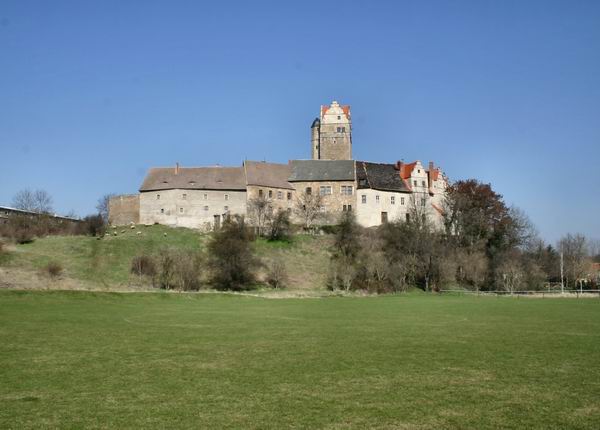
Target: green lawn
109	360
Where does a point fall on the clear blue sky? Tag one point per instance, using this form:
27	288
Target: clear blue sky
94	93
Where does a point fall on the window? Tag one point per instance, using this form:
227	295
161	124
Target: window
339	129
279	195
289	195
260	193
423	202
418	170
393	200
347	190
364	198
407	217
344	208
162	211
362	182
308	190
384	217
339	117
158	197
205	208
349	207
325	190
377	198
226	197
184	196
180	210
226	208
270	194
423	183
205	196
415	183
402	200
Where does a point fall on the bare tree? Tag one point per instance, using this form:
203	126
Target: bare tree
103	205
575	253
510	274
308	208
38	201
418	211
260	211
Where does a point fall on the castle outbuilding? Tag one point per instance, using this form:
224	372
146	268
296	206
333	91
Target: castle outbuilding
200	197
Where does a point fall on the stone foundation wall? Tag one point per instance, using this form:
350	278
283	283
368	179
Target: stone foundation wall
124	209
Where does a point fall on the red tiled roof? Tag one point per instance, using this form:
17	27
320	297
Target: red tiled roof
406	170
345	108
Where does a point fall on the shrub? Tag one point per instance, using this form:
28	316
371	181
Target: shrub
277	274
54	269
280	226
177	270
143	265
231	260
92	225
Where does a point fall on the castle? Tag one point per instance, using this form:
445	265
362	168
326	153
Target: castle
200	197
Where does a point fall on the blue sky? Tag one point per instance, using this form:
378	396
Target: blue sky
94	93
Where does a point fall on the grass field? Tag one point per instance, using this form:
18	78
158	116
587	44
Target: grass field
108	360
106	262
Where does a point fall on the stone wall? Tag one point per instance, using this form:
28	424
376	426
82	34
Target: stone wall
190	208
124	209
333	203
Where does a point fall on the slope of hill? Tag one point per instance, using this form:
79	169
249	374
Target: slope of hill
92	263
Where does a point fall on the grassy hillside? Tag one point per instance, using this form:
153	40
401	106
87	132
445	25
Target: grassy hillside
107	261
105	360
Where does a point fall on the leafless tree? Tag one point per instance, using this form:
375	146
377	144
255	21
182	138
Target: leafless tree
418	211
38	201
575	253
103	205
308	208
510	273
260	211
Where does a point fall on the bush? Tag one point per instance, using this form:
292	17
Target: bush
19	228
277	274
231	260
92	225
53	269
143	265
280	226
178	270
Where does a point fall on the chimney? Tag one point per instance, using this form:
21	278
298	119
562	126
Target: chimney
177	168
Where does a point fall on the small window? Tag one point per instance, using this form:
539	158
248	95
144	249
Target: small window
349	207
158	197
377	199
226	208
260	193
270	194
180	210
162	211
226	197
347	190
205	196
344	208
308	190
343	129
393	200
205	208
184	196
339	129
415	183
289	195
280	195
423	183
364	198
362	182
339	117
418	170
423	202
325	190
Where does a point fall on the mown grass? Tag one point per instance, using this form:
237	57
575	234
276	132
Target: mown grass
106	360
107	261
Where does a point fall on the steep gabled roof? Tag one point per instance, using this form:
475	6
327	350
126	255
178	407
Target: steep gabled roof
345	109
195	178
380	176
268	174
321	170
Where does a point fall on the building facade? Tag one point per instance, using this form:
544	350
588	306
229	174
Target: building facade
200	197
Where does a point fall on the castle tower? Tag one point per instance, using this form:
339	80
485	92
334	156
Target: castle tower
331	133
